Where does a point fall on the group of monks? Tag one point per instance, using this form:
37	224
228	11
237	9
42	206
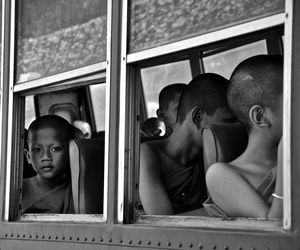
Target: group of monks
172	178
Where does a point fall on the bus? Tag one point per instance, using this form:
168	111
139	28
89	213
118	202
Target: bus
103	63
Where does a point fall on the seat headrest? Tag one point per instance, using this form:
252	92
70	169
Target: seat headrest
223	143
87	172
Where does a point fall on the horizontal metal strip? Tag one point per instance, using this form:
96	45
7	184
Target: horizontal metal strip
46	81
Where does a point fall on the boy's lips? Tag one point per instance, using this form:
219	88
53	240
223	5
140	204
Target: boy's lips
47	167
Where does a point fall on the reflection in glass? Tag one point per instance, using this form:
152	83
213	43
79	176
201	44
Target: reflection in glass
154	23
224	63
156	78
59	35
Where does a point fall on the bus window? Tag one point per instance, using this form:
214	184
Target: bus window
57	36
155	78
74	169
98	101
223	63
171	179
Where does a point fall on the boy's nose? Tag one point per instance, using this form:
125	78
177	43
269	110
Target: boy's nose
46	155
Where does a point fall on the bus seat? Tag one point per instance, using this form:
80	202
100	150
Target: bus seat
223	143
87	173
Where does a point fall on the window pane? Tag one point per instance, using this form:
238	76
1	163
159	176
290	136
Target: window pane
59	35
156	78
154	23
98	101
29	110
224	63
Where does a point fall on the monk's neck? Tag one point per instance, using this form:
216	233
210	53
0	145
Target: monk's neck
181	147
261	151
48	184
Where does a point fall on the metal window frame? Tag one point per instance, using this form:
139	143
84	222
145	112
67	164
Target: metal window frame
231	32
11	114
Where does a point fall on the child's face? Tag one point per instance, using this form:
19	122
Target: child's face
47	153
170	114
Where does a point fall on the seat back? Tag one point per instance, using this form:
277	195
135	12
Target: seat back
223	143
87	173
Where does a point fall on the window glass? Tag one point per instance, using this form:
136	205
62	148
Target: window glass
57	158
59	35
98	100
29	110
154	23
156	78
224	63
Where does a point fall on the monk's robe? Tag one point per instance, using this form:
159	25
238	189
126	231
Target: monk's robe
186	189
58	200
265	190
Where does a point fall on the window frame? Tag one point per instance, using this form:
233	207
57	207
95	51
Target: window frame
12	114
134	61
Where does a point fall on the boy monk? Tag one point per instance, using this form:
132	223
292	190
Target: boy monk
48	143
172	177
251	185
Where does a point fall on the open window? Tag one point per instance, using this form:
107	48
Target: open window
147	69
60	71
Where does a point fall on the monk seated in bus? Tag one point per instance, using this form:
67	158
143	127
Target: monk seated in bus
172	176
255	96
168	101
48	145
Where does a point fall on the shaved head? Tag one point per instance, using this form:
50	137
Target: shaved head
256	81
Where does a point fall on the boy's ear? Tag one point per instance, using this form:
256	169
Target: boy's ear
258	116
197	116
26	152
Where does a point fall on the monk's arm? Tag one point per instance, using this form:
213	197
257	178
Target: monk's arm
235	196
153	195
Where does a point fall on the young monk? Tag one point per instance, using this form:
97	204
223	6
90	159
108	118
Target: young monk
49	190
248	186
171	170
168	105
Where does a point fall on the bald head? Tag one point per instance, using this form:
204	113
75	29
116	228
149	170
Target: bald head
207	92
55	122
256	81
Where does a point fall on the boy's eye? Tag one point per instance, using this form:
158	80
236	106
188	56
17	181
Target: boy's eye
56	149
34	150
